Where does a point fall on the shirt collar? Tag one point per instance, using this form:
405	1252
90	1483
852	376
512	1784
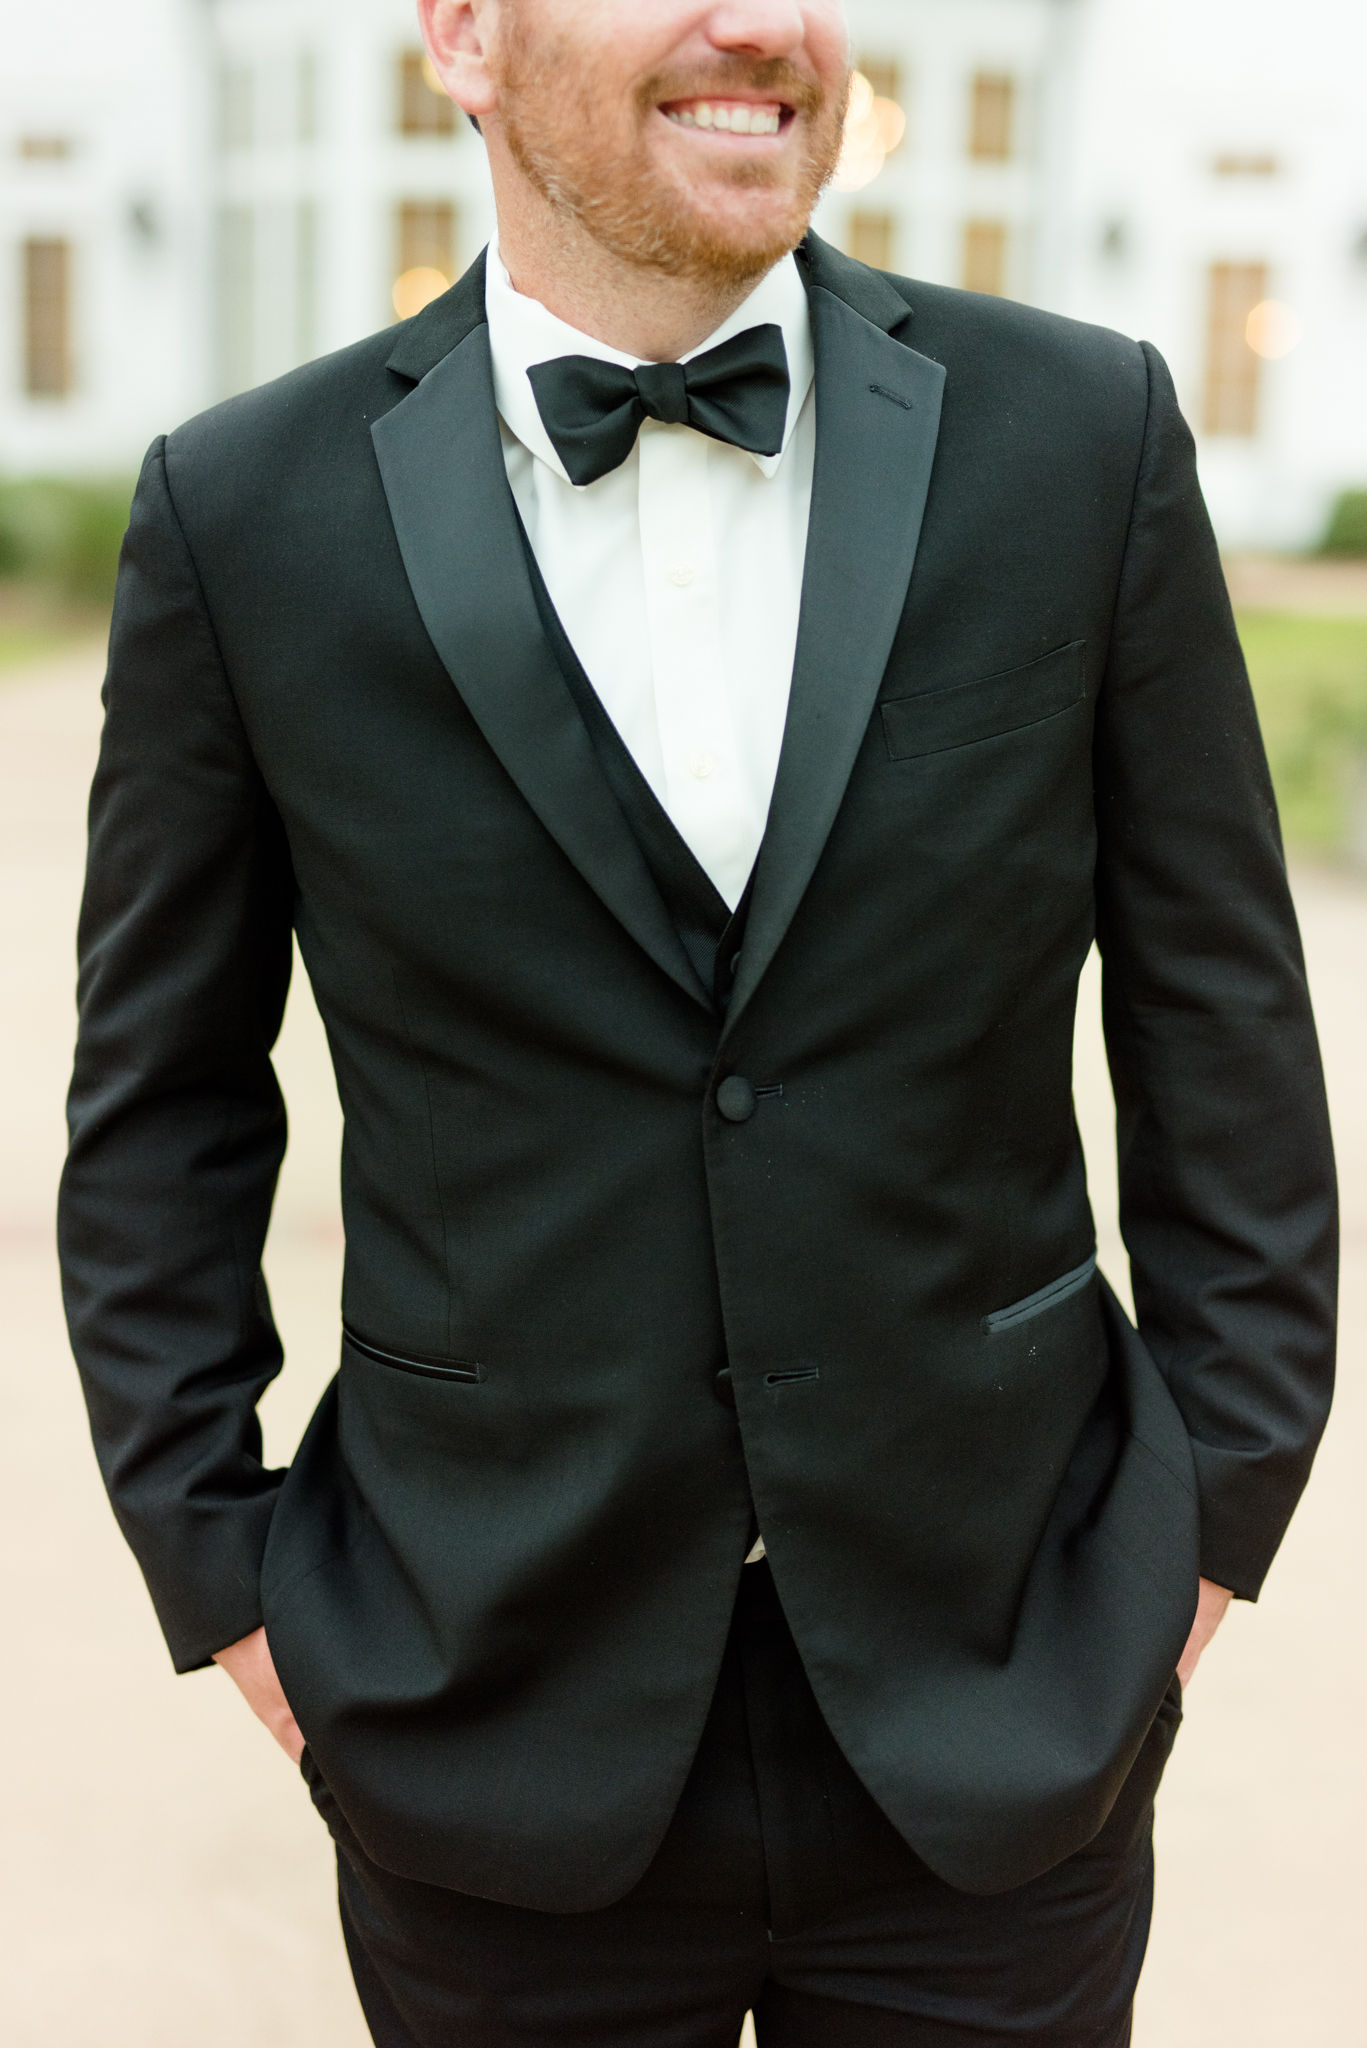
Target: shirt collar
523	332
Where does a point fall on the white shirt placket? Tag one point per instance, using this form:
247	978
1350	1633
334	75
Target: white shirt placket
707	796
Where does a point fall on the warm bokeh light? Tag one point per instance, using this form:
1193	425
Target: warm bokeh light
890	123
874	128
1274	330
431	79
416	289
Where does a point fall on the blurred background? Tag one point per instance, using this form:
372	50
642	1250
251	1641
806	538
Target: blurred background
197	195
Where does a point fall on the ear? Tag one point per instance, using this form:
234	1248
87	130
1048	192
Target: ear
457	33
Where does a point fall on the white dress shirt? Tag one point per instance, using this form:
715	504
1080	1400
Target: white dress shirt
678	576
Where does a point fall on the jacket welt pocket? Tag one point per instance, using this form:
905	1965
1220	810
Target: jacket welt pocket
422	1366
940	719
1043	1298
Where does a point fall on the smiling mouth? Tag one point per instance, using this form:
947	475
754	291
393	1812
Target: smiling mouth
730	117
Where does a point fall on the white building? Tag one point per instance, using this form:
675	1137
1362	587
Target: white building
339	170
972	193
197	194
106	311
1220	163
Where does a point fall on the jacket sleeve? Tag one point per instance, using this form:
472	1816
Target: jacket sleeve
1227	1193
177	1125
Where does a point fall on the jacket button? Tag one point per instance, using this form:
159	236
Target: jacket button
723	1389
736	1099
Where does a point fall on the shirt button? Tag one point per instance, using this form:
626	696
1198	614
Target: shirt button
702	765
681	575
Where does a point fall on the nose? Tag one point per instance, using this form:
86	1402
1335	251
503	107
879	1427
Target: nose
757	28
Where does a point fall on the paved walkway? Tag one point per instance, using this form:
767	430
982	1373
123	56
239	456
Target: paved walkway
164	1883
1282	583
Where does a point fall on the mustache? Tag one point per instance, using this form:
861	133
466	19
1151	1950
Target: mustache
776	77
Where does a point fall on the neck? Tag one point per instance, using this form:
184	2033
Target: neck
550	257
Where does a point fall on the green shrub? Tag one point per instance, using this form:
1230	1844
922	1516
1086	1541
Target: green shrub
64	535
1347	533
1310	681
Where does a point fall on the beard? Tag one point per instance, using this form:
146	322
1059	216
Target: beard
602	175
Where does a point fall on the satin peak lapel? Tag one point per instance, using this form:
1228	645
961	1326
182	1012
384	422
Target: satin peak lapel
877	425
441	462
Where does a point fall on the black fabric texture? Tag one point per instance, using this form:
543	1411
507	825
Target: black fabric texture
781	1887
737	392
711	934
499	1606
789	2020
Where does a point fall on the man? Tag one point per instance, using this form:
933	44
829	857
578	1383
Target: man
695	705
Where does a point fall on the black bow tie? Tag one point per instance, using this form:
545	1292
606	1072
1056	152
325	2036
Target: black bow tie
593	411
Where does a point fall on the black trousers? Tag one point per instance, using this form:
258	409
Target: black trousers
780	1887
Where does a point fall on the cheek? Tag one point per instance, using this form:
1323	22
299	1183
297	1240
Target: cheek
827	42
630	39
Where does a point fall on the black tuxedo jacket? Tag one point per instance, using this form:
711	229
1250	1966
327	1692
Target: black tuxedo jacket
498	1575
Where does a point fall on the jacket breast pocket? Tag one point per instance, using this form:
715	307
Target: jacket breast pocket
940	719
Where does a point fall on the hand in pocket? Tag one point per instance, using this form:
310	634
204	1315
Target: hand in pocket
251	1668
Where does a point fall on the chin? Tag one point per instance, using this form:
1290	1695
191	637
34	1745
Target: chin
742	230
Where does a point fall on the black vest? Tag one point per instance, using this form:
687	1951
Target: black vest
711	933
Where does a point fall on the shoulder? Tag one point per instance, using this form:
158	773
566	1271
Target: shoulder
299	447
1009	334
325	409
294	419
1000	357
286	472
1001	352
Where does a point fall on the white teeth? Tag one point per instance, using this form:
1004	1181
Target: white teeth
734	120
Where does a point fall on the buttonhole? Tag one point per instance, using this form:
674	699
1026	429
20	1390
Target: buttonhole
881	391
788	1379
774	1088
